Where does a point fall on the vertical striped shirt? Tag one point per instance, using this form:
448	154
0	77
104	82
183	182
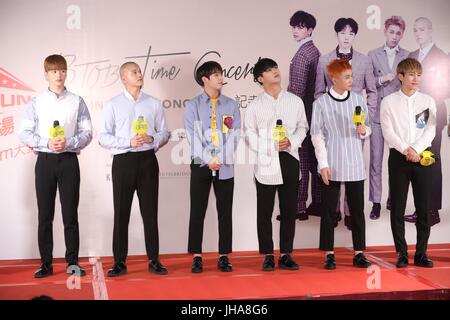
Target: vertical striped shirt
337	144
260	118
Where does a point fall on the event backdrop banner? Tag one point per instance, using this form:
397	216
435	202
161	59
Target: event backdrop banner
169	39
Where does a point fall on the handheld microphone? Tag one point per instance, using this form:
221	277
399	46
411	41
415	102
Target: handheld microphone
140	126
279	132
56	131
427	158
358	116
213	154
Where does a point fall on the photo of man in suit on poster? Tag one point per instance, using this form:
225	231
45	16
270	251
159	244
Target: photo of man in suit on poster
302	79
384	60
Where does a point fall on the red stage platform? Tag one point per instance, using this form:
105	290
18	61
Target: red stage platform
247	281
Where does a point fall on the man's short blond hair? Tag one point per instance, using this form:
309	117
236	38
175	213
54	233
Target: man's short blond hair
55	62
408	65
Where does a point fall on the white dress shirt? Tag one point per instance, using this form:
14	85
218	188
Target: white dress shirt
71	112
424	51
118	116
408	121
391	53
260	118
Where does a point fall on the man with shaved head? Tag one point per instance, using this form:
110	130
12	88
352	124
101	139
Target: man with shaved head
435	82
135	167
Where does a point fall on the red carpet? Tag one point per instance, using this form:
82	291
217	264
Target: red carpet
247	281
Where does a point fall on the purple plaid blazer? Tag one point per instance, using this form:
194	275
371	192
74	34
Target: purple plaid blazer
302	75
380	68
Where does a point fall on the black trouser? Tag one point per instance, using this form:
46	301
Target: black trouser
287	196
135	171
63	172
354	190
401	172
201	180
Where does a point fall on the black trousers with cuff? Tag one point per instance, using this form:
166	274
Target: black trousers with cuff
58	171
135	171
401	174
200	186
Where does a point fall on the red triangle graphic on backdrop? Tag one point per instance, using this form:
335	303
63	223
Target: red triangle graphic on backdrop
7	80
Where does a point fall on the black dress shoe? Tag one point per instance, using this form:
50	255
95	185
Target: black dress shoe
224	264
269	263
375	213
45	270
197	265
74	268
330	262
411	218
156	267
422	260
118	269
360	261
434	217
402	261
313	210
302	216
286	262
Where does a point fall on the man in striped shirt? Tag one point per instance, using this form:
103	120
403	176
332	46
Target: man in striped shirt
362	74
277	166
337	135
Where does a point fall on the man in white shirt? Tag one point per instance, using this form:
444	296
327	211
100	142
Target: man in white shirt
57	125
135	166
435	82
277	166
408	122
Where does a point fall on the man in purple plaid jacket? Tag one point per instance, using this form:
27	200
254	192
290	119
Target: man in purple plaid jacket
302	79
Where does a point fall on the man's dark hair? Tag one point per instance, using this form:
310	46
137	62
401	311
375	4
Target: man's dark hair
303	19
261	66
341	23
206	70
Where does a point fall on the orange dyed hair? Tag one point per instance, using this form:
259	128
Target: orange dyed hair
336	67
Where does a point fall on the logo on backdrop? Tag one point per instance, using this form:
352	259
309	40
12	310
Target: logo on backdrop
103	73
13	93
